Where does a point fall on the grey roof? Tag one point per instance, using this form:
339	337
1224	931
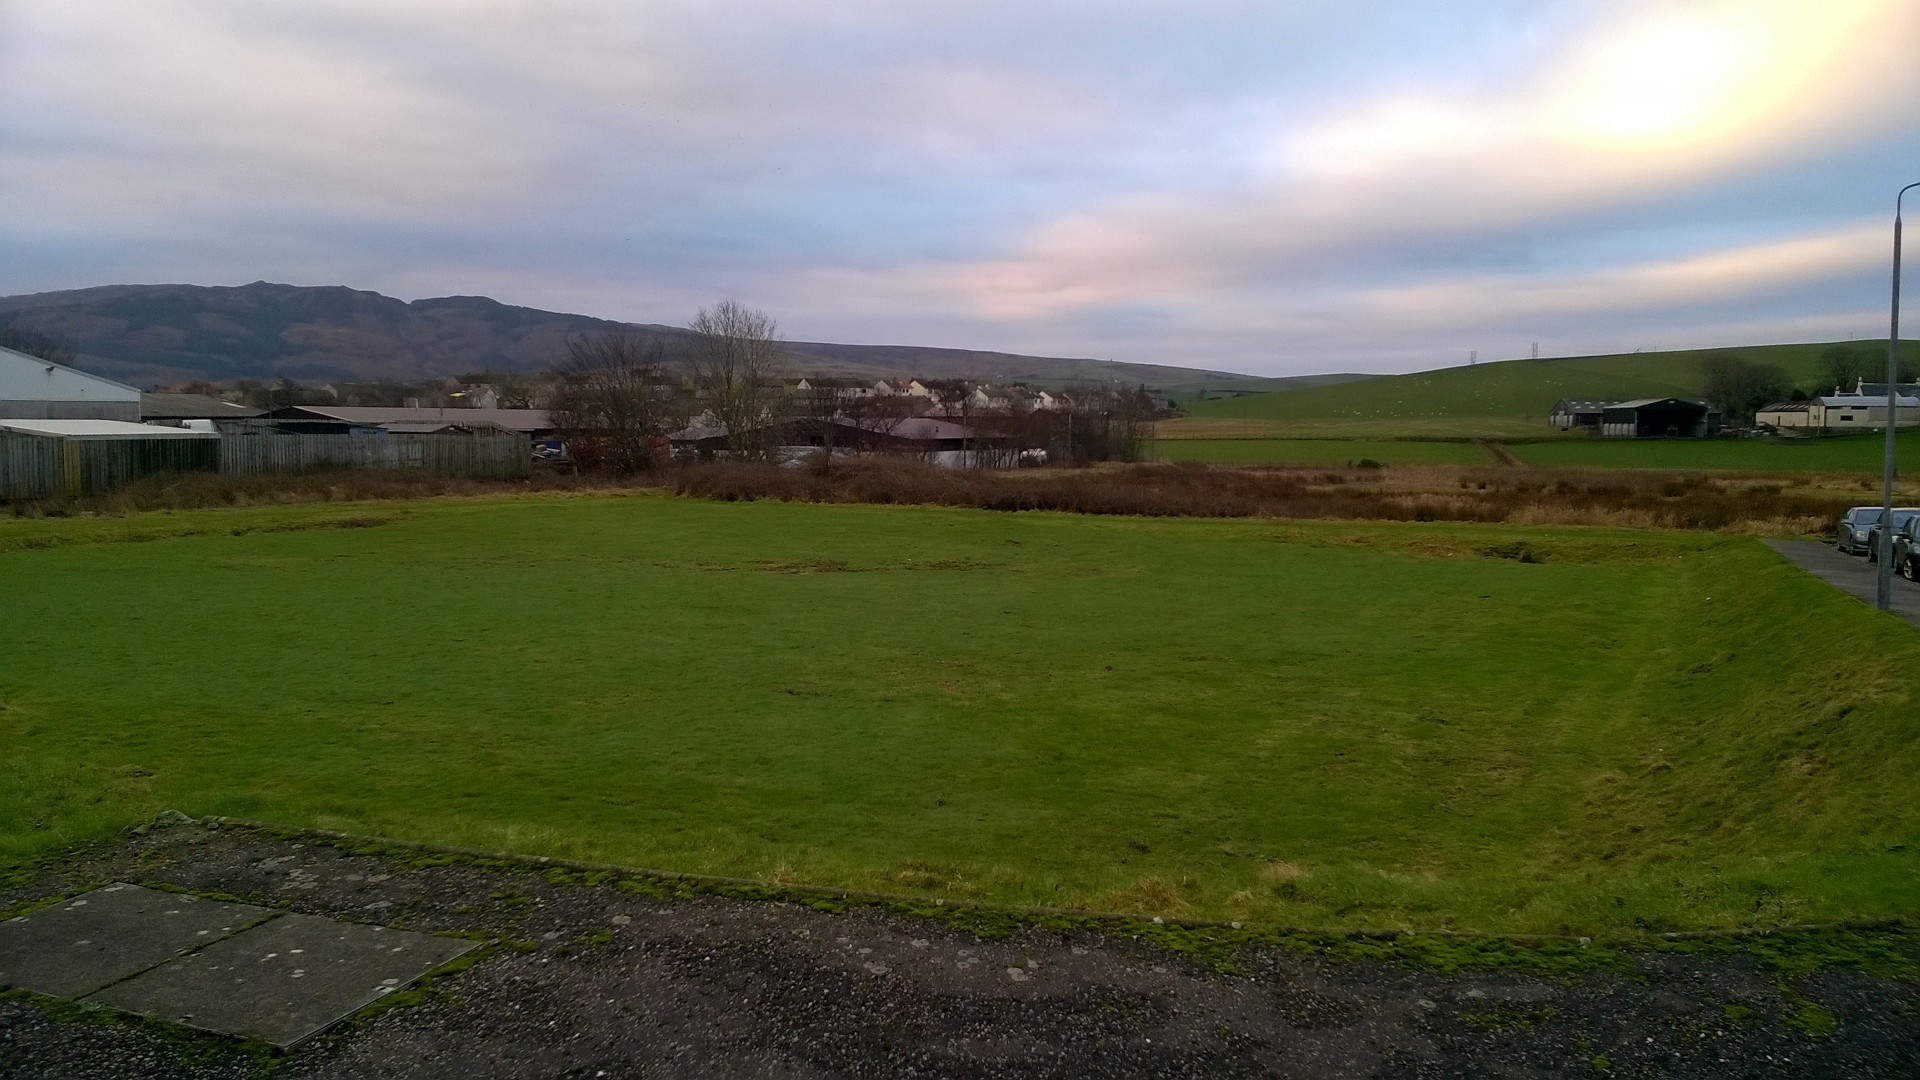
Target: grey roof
521	420
918	428
1867	401
1640	403
191	407
101	429
451	424
1582	405
1879	390
1787	406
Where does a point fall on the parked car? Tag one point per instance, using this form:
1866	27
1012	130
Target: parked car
1906	549
1851	534
1902	517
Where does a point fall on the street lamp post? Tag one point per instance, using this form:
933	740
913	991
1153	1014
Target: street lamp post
1883	592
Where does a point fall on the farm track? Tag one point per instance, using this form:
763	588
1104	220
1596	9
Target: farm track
597	980
1500	454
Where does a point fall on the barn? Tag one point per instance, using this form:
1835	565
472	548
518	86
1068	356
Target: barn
1568	414
1660	418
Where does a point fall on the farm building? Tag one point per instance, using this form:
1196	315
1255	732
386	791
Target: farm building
1840	412
78	457
175	409
1568	414
532	423
1660	418
36	389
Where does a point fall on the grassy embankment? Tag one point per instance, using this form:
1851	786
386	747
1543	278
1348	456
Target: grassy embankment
1504	399
1362	724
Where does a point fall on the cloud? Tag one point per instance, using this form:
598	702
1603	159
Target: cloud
1746	273
1789	80
1220	182
186	113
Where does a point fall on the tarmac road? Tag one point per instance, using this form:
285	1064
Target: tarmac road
1850	573
603	982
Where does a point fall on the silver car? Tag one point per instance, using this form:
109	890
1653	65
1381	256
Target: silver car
1850	537
1902	518
1906	549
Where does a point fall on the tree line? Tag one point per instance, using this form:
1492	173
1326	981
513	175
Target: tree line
618	396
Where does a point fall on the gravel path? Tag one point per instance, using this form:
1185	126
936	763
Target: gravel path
598	981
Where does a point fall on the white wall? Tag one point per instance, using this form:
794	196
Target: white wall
32	387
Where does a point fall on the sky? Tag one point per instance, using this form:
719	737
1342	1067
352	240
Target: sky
1273	187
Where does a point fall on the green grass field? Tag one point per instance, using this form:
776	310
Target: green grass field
1866	454
1321	723
1317	451
1503	398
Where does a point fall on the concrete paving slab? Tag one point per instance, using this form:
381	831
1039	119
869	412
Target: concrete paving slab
80	945
286	980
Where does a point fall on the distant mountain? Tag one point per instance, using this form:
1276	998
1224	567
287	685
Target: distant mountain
158	334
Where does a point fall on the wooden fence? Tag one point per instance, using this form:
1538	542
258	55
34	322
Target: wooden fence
40	466
36	466
505	456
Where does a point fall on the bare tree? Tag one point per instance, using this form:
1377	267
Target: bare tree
20	337
613	404
1107	422
1741	387
737	360
1843	366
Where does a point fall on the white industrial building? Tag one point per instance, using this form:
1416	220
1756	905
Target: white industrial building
36	389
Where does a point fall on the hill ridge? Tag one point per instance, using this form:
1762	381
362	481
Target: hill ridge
170	332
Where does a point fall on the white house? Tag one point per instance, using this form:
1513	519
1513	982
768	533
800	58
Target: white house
1843	412
36	389
839	389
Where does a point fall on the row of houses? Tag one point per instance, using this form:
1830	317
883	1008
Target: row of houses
984	397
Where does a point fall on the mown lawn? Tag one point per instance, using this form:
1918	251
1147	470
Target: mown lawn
1376	724
1318	452
1862	453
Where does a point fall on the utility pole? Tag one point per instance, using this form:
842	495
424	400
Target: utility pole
1883	590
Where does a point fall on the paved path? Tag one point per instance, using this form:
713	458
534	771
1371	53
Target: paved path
1849	573
601	980
232	969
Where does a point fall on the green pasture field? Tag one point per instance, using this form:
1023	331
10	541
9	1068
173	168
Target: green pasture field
1303	723
1864	453
1318	451
1442	428
1492	398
